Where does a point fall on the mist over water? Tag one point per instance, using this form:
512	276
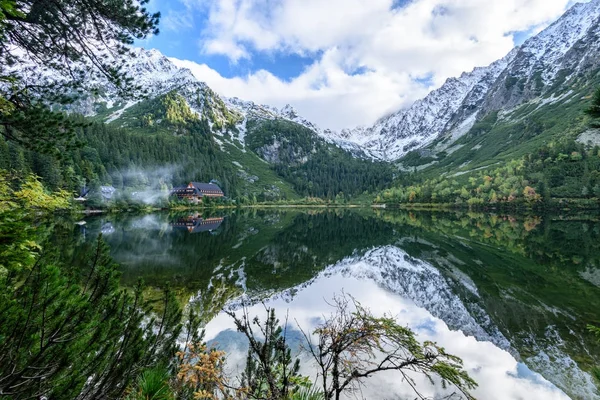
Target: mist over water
147	186
164	172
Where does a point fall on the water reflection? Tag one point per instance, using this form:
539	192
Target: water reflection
514	293
195	223
499	375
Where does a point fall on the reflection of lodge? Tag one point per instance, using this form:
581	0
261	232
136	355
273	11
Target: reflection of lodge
195	223
195	191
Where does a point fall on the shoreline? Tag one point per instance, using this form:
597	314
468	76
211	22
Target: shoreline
429	207
253	206
571	205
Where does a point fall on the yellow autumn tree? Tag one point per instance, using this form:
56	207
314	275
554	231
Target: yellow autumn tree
531	196
202	372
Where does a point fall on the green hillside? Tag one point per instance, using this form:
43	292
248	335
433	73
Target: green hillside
160	143
532	155
313	166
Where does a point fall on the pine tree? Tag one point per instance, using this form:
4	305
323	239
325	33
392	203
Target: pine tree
271	372
4	154
80	39
71	331
594	109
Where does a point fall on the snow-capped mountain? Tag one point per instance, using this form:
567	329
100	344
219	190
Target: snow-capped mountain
158	75
561	53
153	75
393	136
261	111
566	50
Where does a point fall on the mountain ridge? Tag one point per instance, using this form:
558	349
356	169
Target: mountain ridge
555	56
468	124
527	72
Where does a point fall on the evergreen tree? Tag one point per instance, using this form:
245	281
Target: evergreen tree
79	39
271	372
594	109
71	332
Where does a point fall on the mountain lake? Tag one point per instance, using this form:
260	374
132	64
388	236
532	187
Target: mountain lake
510	294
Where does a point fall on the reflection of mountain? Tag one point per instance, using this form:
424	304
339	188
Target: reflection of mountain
443	295
528	280
526	284
277	250
425	285
194	223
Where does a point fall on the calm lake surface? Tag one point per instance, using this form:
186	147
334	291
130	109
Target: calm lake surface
510	294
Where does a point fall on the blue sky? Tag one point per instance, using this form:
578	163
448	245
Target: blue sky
183	40
342	63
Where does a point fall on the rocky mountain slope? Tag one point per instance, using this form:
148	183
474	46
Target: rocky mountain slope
492	114
275	154
555	59
566	51
154	75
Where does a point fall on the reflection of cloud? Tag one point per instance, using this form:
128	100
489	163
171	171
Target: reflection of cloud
427	326
149	223
499	375
524	372
235	345
149	247
107	228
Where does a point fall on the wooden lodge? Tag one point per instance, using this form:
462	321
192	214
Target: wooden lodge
195	191
195	223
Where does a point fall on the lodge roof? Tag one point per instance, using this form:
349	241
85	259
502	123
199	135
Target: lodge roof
196	225
206	187
207	225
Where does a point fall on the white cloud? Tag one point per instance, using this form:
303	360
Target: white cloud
324	93
177	20
436	38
